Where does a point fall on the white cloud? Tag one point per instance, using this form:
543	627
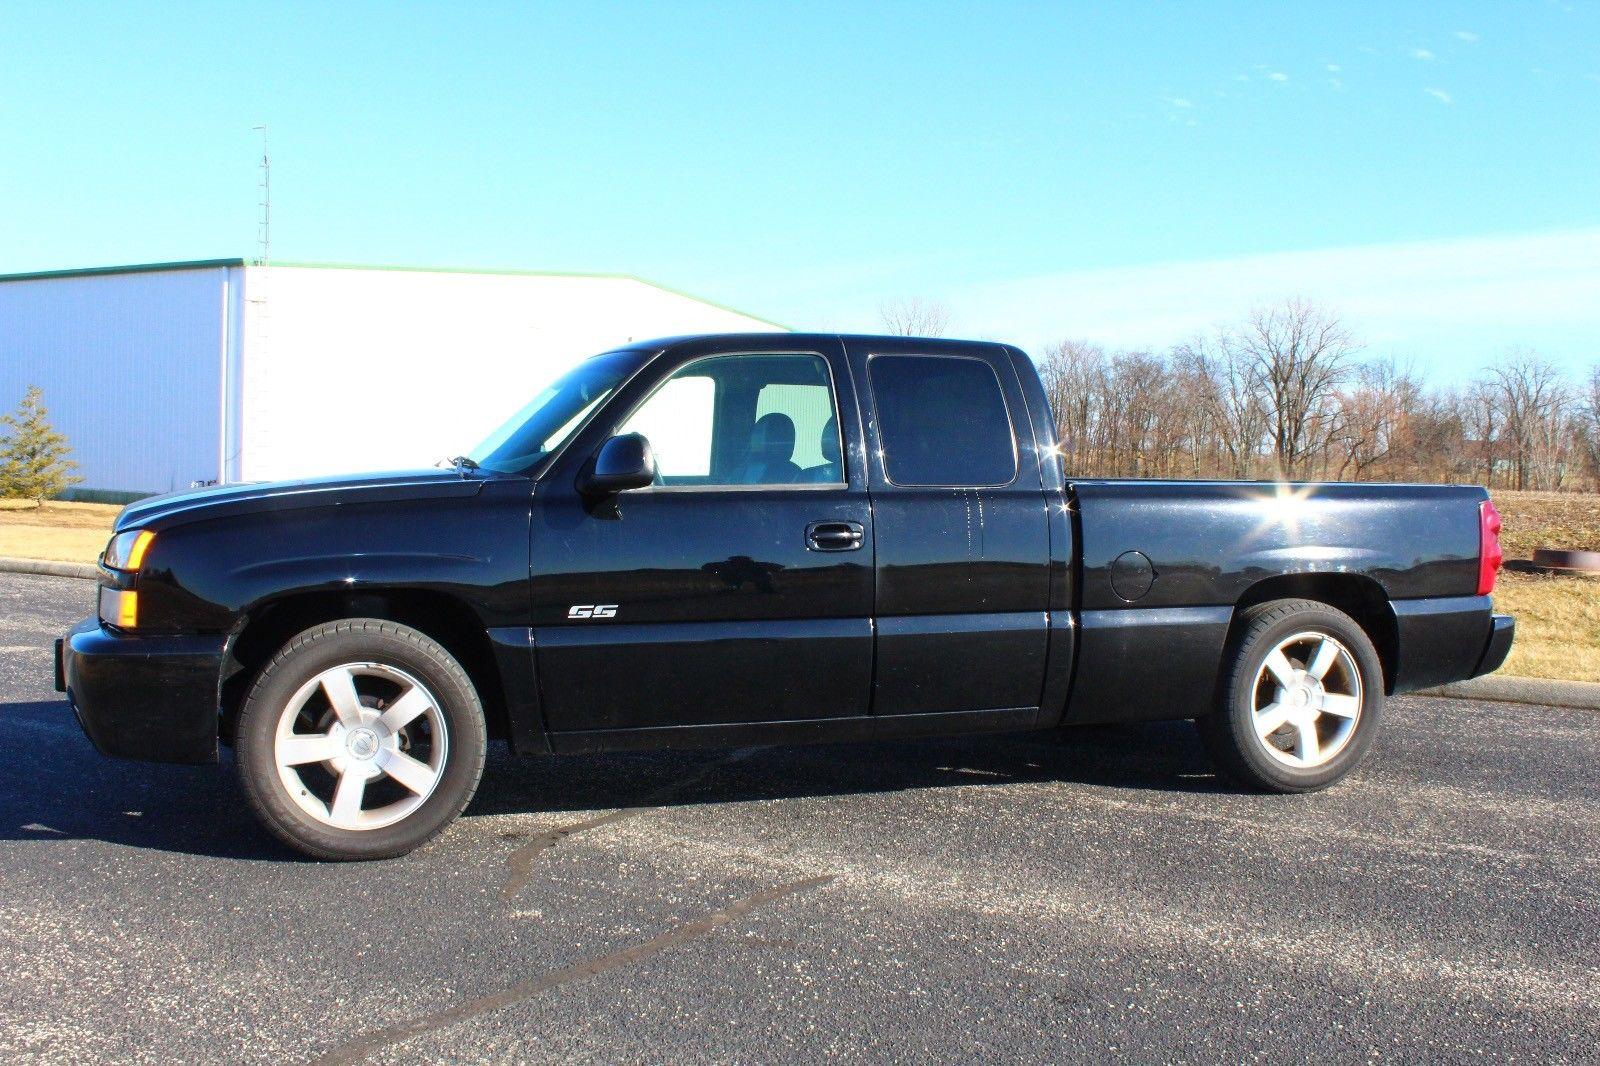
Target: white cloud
1180	102
1453	304
1467	36
1278	76
1440	95
1422	54
1336	85
1333	68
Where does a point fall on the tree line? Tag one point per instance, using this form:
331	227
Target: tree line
1287	393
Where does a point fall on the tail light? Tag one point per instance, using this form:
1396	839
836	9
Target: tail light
1489	554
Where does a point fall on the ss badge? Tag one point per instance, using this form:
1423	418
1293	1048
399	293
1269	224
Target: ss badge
592	610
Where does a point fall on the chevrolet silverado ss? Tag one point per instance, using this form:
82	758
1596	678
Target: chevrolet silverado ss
760	539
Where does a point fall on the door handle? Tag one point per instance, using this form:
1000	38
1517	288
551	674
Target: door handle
834	536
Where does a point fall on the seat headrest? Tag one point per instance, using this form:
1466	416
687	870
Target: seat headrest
772	439
830	441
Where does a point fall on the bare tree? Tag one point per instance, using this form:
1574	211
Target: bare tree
1534	399
1139	403
1283	395
1556	437
1589	427
1073	373
1374	423
1482	418
1232	396
915	317
1433	443
1301	356
1198	430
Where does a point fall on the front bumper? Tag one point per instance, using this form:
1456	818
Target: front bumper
143	697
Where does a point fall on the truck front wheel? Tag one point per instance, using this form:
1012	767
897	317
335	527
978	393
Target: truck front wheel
360	739
1302	699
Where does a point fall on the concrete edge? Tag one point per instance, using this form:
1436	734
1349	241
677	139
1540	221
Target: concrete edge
48	567
1583	695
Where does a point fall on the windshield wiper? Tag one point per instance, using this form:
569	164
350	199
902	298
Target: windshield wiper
462	463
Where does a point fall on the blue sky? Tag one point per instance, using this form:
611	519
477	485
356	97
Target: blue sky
1126	173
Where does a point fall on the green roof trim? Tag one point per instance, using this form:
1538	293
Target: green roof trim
131	268
209	264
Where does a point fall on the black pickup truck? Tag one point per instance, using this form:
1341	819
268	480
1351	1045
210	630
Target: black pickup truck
730	540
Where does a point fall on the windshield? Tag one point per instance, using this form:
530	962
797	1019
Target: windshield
554	414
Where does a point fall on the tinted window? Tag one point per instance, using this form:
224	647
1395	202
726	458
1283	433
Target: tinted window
744	420
942	420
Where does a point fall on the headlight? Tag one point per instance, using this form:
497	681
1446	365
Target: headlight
126	550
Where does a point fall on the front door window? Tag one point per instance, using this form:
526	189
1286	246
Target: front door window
744	420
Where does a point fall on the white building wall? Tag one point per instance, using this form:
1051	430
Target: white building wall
163	377
129	364
371	369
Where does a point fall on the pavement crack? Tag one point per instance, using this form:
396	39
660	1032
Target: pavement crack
519	864
363	1046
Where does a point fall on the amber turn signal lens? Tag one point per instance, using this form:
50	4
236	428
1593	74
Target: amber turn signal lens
127	549
128	610
141	544
119	607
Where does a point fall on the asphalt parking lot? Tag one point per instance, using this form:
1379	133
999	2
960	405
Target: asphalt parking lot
1020	898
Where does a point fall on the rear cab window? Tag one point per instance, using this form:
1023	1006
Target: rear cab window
942	421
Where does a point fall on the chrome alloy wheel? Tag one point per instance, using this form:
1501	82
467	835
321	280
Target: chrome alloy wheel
361	746
1307	700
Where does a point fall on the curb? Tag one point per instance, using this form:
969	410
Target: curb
47	567
1583	695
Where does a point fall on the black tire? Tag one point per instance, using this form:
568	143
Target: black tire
1230	734
389	645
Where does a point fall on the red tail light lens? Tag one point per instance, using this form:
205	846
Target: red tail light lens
1489	554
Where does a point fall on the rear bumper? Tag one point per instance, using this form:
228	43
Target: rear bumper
143	697
1502	631
1447	639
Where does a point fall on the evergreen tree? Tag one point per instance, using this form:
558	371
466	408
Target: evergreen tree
33	457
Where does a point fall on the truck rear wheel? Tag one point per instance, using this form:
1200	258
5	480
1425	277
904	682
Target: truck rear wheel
360	739
1302	699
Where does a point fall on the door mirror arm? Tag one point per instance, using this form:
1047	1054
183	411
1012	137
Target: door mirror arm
624	462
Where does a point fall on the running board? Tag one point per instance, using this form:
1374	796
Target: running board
801	731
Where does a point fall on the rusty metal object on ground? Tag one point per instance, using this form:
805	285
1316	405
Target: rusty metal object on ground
1561	559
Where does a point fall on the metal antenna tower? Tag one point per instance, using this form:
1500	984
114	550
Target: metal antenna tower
255	331
264	218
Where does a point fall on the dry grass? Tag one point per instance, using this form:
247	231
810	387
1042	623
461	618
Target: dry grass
63	532
1548	520
1558	625
1558	618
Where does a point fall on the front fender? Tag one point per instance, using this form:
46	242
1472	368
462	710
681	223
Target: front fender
207	576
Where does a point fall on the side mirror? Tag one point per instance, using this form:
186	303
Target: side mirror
624	462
